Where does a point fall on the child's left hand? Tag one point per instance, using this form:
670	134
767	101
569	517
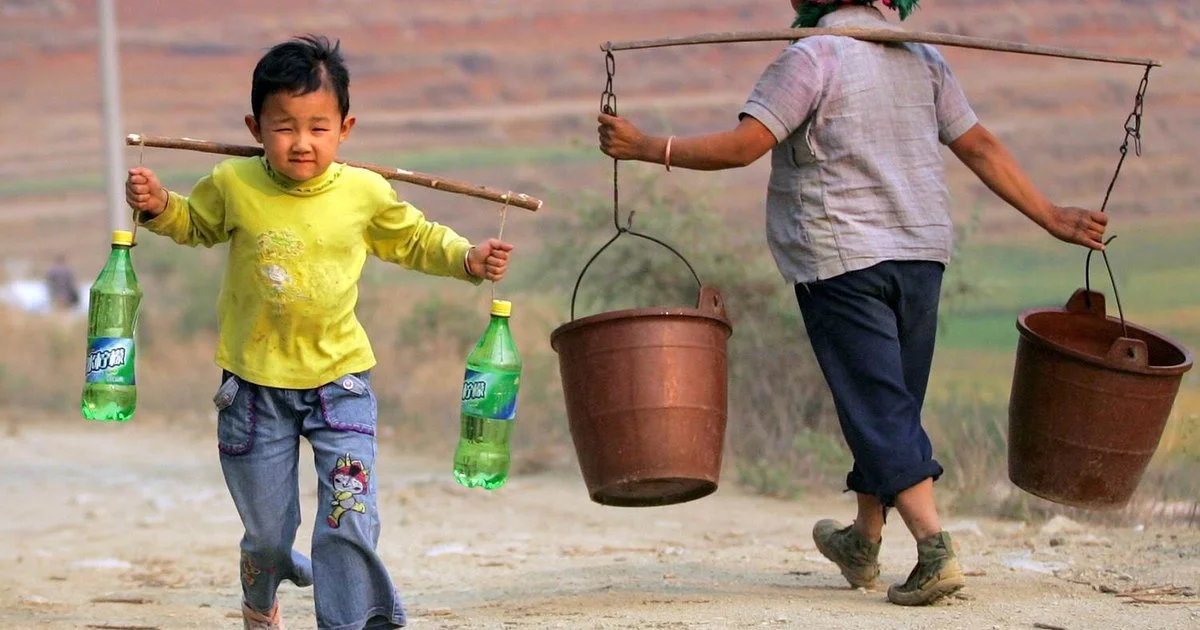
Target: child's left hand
489	260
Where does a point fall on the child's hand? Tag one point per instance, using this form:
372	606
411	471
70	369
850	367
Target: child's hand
144	193
489	260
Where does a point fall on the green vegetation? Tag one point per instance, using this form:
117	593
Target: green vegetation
782	438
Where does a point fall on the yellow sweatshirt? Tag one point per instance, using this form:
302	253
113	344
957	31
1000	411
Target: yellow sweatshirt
296	254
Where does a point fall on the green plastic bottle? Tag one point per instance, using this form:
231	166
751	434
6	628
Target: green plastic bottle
110	389
489	405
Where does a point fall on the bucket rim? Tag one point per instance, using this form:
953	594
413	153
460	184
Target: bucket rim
1032	335
640	313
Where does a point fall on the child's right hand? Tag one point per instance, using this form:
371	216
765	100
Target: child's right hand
144	193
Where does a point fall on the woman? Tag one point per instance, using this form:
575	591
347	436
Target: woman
858	221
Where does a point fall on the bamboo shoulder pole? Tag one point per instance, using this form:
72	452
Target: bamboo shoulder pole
519	200
880	35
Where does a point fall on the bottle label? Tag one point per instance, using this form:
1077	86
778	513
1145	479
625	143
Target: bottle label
490	394
110	361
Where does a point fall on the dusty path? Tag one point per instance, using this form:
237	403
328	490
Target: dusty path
129	527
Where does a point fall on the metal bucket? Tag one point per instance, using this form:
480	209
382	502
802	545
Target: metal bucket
1090	397
646	394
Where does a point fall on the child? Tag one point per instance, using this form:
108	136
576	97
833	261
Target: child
296	361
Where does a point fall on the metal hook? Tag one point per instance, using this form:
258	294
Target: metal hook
608	105
1133	131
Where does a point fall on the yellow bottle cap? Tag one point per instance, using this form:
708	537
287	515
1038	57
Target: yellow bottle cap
121	237
501	308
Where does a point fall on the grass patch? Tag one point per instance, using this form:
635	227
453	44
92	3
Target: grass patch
782	438
1156	273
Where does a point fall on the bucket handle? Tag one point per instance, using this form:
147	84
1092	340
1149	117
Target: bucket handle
710	301
608	105
1087	302
1129	352
628	229
1125	351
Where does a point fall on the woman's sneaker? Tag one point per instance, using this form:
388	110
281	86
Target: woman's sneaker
255	620
857	557
936	575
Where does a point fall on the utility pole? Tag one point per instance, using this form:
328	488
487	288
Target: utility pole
110	90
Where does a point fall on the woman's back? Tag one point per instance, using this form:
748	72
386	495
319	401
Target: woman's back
857	173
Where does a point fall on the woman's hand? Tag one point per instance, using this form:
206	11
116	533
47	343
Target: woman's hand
620	140
1078	226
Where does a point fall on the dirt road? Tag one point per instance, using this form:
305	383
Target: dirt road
130	527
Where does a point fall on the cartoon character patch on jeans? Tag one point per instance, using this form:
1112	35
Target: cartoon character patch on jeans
350	480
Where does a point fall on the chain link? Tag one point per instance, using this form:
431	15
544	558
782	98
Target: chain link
1133	131
608	105
608	100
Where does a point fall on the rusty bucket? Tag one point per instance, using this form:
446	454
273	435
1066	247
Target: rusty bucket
1090	398
646	395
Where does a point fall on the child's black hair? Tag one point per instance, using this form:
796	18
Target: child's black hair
301	66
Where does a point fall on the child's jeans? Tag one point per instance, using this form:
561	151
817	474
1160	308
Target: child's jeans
258	431
873	332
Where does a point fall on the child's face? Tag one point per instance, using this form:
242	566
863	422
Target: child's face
300	134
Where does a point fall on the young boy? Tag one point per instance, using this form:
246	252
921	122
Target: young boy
296	361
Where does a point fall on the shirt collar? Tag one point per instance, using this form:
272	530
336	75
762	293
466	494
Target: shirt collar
314	186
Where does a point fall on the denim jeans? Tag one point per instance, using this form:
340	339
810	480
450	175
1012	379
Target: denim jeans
258	432
873	333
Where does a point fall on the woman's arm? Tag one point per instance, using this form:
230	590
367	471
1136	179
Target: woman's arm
738	147
991	161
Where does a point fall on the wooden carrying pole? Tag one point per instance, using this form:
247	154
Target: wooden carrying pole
519	200
879	35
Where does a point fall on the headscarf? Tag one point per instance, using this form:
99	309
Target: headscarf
811	11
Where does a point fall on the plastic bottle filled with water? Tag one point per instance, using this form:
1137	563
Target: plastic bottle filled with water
109	389
489	405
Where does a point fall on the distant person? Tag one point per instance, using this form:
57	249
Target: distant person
60	281
296	360
858	221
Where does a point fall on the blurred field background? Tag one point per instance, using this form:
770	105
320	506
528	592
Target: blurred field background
504	95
